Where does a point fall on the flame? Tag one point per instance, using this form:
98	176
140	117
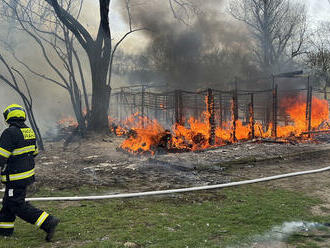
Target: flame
295	107
195	134
67	122
70	121
146	135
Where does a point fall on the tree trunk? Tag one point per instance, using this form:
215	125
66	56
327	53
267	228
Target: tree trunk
98	121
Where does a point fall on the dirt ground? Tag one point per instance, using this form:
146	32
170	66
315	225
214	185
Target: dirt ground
98	161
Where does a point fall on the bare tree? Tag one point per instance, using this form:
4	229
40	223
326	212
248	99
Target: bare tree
64	27
100	52
318	56
278	28
56	44
12	82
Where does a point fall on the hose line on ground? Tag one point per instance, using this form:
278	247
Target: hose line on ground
172	191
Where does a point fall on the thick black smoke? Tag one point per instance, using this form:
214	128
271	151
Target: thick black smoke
192	45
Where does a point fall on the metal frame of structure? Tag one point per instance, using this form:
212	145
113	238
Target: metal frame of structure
222	107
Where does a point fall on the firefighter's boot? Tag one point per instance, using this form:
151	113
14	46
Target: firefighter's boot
50	228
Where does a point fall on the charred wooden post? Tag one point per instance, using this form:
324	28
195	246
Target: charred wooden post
235	113
267	115
325	93
165	109
307	101
211	113
274	130
220	111
310	111
178	105
142	103
251	111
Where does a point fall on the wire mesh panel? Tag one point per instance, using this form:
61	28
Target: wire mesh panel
246	113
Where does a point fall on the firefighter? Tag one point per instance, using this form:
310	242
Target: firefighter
17	151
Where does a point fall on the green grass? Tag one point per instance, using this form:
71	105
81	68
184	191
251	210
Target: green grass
200	219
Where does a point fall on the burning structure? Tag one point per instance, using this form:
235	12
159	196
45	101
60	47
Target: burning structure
188	121
182	120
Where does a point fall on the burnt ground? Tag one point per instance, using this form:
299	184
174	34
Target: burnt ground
99	162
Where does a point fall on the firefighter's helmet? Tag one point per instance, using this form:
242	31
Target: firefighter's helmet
14	112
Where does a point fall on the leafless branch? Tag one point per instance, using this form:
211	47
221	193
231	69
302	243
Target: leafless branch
182	6
26	85
71	23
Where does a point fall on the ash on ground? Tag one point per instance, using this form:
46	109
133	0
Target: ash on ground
99	162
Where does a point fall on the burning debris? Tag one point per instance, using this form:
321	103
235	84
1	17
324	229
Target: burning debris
197	134
297	118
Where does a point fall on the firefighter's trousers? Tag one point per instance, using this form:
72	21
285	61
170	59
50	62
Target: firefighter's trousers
13	205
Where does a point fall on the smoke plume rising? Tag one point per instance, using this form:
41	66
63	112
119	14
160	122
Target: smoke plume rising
194	45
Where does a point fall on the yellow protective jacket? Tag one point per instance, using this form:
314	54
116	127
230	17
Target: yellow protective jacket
17	151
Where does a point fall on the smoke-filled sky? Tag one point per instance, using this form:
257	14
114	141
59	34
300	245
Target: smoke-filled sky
318	10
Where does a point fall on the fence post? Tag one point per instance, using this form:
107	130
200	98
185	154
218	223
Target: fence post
220	111
235	113
310	111
251	111
178	107
210	110
307	101
142	104
274	130
325	93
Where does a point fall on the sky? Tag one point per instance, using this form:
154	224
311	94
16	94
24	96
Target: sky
318	9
